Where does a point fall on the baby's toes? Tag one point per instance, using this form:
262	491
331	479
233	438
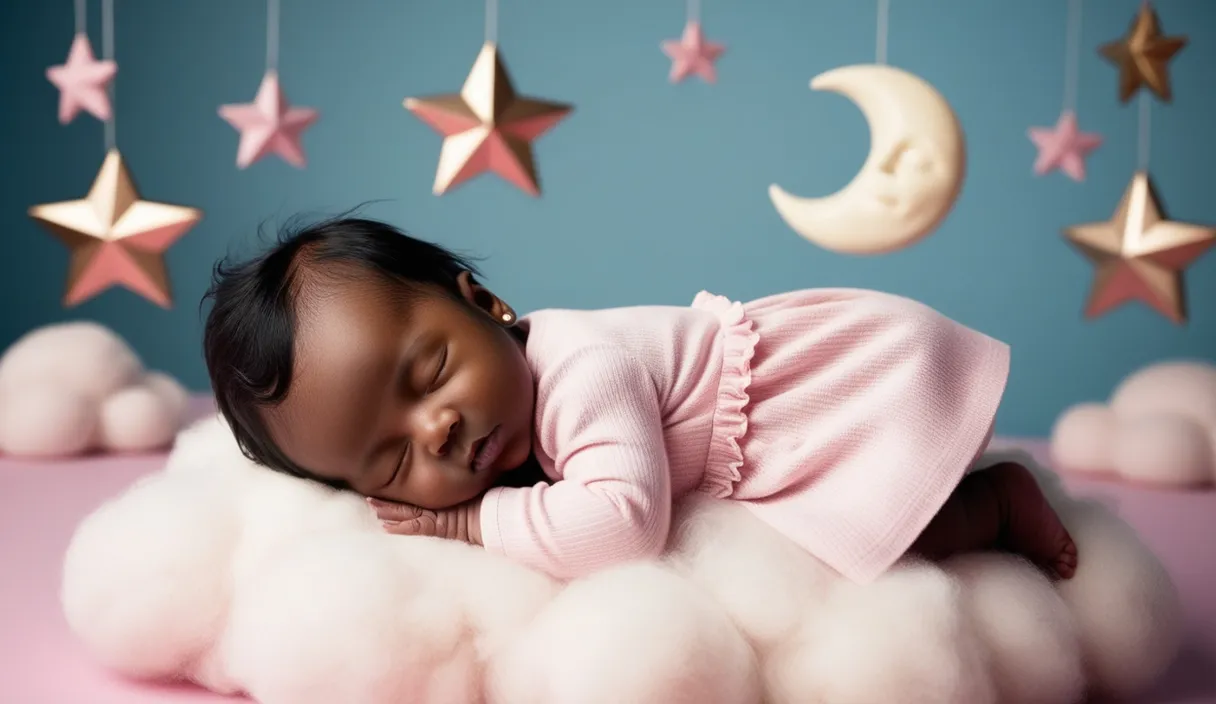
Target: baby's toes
1066	561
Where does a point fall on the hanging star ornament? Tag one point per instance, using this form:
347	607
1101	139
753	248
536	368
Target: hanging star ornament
691	53
269	125
1063	147
1139	255
115	238
487	127
83	82
1143	56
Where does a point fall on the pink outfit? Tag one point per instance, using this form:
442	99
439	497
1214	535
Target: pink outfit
843	418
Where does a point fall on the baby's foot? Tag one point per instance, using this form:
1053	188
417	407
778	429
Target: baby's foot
1030	526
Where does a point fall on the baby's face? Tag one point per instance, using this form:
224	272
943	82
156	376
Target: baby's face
425	401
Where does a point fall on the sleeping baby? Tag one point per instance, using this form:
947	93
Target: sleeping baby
850	421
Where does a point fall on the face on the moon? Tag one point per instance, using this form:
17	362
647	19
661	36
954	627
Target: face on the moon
907	178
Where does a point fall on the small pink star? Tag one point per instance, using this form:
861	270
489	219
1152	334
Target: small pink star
269	124
1063	147
691	53
83	82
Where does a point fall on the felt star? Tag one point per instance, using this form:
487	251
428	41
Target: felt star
487	126
1143	55
269	125
691	53
1063	147
1139	255
83	82
116	238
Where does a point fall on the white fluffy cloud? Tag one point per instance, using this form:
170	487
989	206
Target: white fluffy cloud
73	387
246	580
1159	429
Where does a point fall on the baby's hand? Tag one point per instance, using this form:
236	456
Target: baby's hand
461	523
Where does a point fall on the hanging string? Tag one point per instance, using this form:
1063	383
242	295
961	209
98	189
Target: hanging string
272	36
1145	140
491	21
82	17
694	11
884	11
1072	56
107	53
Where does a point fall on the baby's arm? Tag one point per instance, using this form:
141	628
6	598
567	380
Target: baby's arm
603	426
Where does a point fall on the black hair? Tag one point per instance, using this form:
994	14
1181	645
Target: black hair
249	335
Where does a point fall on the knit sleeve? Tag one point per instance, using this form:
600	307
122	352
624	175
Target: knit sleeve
601	422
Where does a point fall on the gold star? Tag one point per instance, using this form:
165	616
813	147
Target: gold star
1143	56
487	127
1139	255
114	237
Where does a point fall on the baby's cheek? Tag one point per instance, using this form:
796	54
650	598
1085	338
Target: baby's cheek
435	488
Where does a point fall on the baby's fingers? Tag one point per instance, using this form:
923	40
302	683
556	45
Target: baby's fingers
392	511
424	525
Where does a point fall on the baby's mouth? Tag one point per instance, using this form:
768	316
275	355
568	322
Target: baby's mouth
483	451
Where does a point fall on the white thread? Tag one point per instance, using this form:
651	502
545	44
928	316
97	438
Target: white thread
694	11
1145	132
82	17
884	19
1072	56
272	35
491	21
107	53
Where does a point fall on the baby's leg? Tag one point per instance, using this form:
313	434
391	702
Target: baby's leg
1001	508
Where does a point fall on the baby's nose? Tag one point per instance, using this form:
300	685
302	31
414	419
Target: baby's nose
441	434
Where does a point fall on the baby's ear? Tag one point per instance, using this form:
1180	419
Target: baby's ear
468	286
483	299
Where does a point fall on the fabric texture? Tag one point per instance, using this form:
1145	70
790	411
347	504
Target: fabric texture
841	417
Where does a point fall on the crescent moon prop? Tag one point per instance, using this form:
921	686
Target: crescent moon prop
911	178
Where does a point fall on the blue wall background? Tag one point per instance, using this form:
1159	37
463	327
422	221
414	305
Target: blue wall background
652	191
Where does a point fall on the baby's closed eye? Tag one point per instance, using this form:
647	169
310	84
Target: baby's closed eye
426	370
440	366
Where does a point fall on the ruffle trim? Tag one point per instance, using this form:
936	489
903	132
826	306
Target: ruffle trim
739	340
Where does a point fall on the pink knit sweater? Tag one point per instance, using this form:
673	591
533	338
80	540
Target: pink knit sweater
844	418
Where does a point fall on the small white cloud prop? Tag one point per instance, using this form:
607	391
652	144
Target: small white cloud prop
1159	429
76	387
240	579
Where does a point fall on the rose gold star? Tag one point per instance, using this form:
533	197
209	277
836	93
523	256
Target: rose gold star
115	238
487	126
1143	55
1139	255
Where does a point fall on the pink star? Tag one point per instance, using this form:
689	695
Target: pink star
692	54
83	82
1063	147
269	124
